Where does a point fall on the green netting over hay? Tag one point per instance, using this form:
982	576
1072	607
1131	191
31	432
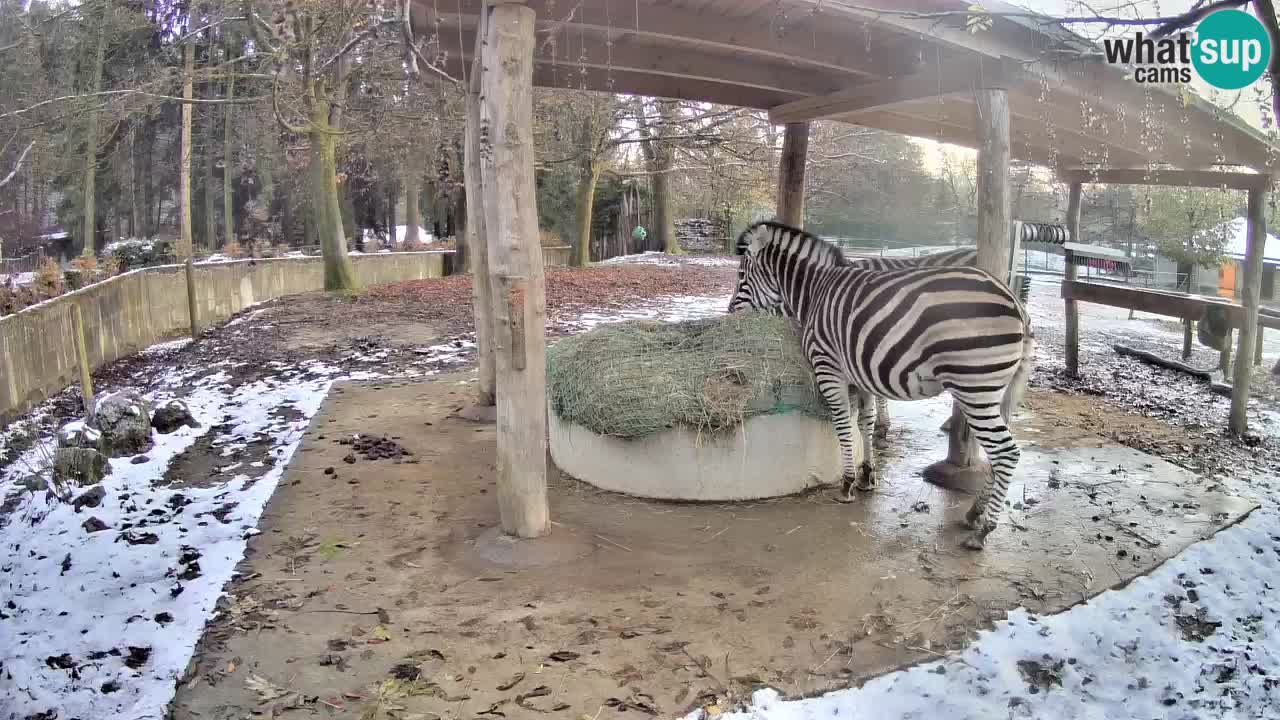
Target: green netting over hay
635	378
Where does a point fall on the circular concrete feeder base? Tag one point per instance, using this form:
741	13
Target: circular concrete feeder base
767	456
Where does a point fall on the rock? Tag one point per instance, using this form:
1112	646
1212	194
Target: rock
139	459
125	421
79	435
93	525
34	483
91	499
172	415
79	466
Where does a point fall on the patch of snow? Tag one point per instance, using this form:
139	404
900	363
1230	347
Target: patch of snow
657	257
16	279
1125	654
131	243
401	232
82	600
167	347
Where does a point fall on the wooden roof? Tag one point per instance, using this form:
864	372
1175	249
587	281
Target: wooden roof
811	59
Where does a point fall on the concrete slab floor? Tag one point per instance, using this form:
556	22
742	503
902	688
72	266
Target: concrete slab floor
381	588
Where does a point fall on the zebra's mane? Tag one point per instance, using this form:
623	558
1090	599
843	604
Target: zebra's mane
771	231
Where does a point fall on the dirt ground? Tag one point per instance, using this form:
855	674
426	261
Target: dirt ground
381	587
658	601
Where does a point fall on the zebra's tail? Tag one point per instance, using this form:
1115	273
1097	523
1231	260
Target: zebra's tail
1018	385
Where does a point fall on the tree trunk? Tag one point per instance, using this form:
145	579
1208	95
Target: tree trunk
339	274
1188	332
185	238
211	200
663	220
412	209
228	202
590	175
148	183
89	187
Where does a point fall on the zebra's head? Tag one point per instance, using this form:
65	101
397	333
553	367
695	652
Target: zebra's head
772	251
757	285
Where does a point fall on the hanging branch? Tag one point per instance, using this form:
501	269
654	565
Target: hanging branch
17	165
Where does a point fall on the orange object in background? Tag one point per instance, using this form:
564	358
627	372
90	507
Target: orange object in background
1227	279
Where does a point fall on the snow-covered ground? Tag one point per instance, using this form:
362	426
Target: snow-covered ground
22	278
655	257
101	605
100	618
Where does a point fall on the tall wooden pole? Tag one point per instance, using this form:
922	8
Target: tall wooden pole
1072	332
791	168
477	249
515	263
1251	297
961	470
192	313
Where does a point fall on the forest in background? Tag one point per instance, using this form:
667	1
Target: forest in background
233	128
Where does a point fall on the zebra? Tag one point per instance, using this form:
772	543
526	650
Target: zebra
967	257
904	334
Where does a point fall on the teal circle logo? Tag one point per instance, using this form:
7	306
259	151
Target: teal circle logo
1232	49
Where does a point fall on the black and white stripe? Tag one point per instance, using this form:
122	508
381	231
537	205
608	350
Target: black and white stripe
903	334
964	257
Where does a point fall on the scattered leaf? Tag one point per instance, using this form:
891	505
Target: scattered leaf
514	681
265	689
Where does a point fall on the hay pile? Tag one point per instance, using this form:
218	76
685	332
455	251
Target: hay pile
636	378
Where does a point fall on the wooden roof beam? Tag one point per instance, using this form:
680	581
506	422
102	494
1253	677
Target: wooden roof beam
572	54
805	42
929	82
1176	178
954	134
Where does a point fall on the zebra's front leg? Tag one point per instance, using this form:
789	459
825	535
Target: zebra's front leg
835	391
868	408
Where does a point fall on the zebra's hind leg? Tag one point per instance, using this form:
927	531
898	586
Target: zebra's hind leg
867	410
882	423
835	390
1003	453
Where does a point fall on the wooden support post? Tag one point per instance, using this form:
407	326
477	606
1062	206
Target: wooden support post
961	470
791	169
1224	356
1251	297
1257	350
82	355
476	239
1072	332
515	264
191	300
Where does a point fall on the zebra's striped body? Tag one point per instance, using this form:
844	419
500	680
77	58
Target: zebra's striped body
965	257
903	334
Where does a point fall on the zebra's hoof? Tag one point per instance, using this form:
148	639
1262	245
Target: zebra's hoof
977	539
972	517
846	491
867	478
